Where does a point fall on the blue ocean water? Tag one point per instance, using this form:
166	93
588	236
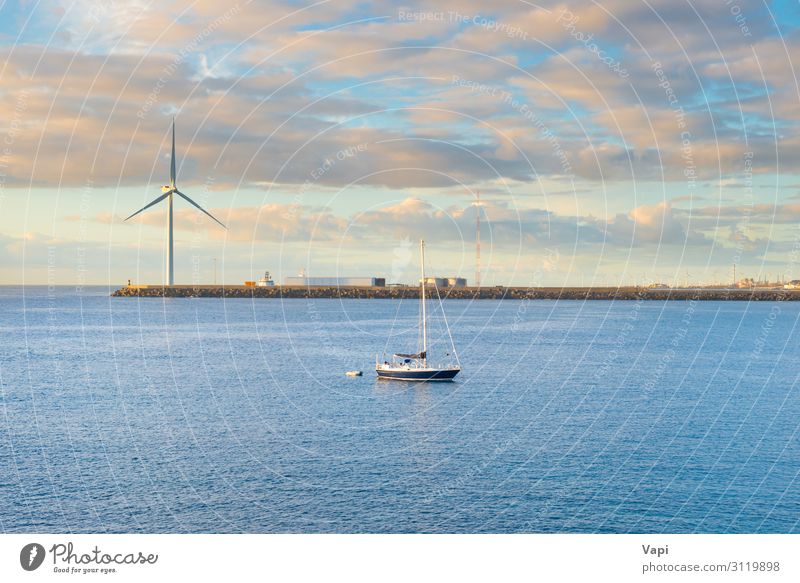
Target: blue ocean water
209	415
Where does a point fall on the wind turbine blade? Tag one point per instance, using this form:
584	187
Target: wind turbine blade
156	201
172	158
190	201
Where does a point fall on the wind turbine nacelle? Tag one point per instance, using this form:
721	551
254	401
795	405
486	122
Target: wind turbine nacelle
165	189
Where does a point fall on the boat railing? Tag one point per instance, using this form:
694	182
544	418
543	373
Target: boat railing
410	363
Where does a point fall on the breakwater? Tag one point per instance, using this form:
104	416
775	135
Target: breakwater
463	293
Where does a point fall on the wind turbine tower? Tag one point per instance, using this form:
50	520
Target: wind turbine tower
167	192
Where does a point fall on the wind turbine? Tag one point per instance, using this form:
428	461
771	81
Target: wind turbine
167	192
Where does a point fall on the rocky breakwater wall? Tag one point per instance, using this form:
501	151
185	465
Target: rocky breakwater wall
465	293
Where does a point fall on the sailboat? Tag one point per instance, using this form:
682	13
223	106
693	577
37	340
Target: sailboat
416	366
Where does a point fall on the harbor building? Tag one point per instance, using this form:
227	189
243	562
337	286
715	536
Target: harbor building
265	281
304	280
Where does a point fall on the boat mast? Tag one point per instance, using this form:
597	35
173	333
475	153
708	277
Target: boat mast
422	296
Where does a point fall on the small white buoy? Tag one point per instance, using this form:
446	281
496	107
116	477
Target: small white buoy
354	373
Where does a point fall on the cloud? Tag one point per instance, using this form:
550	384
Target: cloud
503	226
268	222
292	93
657	224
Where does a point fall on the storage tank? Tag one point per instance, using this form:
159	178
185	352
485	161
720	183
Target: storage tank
440	282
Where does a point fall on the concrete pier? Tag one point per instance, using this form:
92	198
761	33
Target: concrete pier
463	293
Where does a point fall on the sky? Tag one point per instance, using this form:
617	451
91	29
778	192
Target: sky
614	142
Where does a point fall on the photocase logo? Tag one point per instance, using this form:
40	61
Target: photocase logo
31	556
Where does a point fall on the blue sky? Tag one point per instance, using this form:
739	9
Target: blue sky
611	142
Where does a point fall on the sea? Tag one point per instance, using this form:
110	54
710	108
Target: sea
164	415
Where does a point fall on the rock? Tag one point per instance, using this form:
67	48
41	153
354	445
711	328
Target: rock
464	293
